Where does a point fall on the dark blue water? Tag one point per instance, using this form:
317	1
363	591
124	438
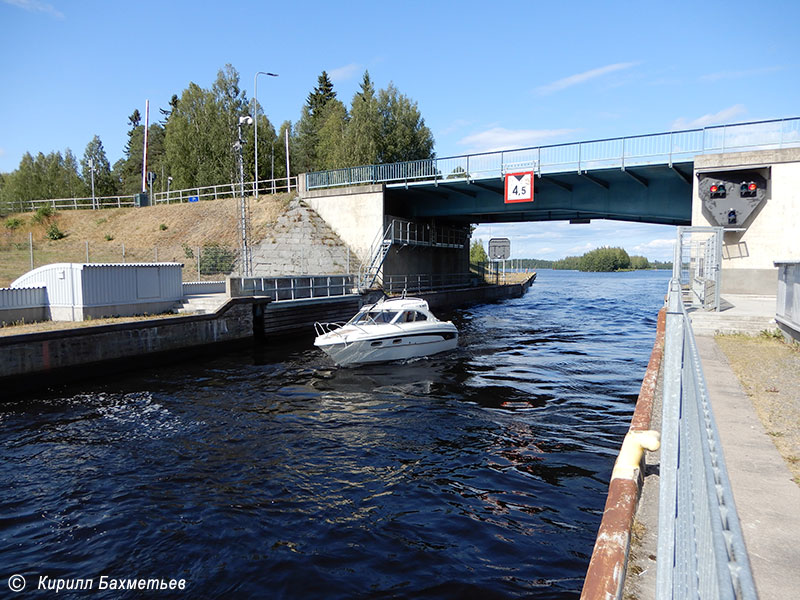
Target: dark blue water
269	472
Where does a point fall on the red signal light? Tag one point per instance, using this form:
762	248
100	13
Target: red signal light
752	187
714	189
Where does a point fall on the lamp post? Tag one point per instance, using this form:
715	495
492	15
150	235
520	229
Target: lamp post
244	225
255	115
91	168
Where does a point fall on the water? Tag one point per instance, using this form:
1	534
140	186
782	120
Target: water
272	473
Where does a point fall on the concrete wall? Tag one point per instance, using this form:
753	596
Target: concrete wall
770	233
33	353
302	243
354	213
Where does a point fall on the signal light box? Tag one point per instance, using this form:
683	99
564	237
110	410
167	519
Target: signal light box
730	197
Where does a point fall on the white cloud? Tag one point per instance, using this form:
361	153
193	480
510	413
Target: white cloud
344	73
36	6
656	244
583	248
2	151
579	78
725	115
739	74
500	138
455	126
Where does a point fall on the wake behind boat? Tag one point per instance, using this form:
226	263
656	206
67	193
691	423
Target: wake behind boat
391	329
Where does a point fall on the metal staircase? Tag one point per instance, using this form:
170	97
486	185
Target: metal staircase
406	233
369	272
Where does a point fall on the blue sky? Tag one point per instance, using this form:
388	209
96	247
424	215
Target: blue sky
486	75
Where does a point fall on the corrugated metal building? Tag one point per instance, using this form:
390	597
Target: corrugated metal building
78	291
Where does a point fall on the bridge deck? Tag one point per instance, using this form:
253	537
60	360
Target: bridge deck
644	178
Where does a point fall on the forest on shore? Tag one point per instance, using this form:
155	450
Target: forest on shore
605	259
194	143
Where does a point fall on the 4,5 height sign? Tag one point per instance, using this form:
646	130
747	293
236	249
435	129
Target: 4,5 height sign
519	187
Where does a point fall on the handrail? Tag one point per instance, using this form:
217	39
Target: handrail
701	551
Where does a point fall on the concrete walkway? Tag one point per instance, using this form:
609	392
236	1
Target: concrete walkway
739	314
767	500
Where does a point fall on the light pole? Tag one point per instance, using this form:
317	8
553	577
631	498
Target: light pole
91	168
244	225
255	115
169	184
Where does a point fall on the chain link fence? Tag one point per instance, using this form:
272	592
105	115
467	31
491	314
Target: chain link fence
208	261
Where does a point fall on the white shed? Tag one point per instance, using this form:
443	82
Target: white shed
78	291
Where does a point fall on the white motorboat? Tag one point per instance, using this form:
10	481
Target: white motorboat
391	329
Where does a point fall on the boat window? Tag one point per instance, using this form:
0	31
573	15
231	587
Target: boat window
361	317
383	316
413	315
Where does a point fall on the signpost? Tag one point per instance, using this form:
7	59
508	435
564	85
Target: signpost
500	249
519	187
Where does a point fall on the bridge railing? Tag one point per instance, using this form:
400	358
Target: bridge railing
658	148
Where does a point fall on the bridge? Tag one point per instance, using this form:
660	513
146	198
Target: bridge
646	178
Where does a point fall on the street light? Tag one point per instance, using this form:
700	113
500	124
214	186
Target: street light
244	225
91	169
255	115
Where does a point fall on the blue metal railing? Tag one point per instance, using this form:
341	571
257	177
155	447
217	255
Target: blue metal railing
658	148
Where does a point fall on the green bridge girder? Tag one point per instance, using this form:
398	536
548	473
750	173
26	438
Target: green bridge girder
646	194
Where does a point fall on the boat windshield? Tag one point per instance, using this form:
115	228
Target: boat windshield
376	316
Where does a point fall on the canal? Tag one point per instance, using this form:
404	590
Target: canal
268	472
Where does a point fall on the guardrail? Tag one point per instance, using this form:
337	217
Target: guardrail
403	231
209	192
658	148
395	284
701	551
281	289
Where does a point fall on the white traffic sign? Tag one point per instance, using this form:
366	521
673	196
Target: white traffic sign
499	248
519	187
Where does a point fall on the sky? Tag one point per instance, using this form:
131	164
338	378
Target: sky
485	75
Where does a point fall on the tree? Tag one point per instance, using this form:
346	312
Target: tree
477	254
104	184
306	146
362	137
404	135
331	136
201	132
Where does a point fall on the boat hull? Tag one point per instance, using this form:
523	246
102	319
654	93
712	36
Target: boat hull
378	349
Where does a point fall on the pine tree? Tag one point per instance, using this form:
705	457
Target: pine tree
362	138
